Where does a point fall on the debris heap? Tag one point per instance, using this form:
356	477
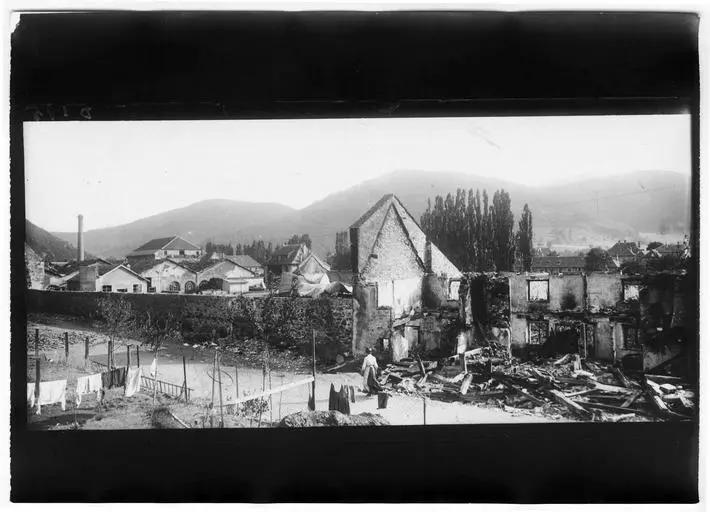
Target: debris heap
562	387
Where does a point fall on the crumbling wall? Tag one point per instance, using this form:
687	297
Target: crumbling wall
604	291
195	307
566	293
369	323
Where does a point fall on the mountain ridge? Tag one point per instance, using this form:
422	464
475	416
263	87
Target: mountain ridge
585	211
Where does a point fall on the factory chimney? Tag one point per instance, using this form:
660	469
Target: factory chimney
80	240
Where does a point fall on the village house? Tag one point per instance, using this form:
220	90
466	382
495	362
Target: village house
225	275
173	247
166	276
286	258
558	264
99	277
397	273
247	262
624	252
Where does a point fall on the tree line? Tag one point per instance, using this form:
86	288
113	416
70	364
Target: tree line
477	234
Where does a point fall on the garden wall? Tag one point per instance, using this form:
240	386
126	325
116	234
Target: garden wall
332	317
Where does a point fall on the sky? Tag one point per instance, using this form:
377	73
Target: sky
120	171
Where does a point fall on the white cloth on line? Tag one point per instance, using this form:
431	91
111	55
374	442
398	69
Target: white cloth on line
133	381
87	384
52	392
31	393
153	367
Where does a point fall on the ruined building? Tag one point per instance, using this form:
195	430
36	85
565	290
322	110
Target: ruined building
636	320
398	273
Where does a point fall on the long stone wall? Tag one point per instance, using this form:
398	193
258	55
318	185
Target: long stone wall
332	317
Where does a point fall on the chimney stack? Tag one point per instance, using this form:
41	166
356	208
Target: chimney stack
80	239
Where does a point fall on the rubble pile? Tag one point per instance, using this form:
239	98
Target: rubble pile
566	386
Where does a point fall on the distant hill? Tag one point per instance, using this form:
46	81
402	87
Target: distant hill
48	246
214	219
644	201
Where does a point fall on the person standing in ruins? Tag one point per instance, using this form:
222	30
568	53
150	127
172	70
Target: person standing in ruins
369	367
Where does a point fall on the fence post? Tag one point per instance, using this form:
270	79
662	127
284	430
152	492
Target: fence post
138	355
221	407
66	348
128	356
36	343
313	385
37	380
184	376
86	351
236	377
424	401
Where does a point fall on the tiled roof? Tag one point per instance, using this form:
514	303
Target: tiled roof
558	262
201	264
179	243
372	210
244	260
285	254
623	249
155	244
141	266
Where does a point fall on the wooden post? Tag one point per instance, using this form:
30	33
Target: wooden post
263	388
66	348
128	356
214	366
221	409
86	351
236	378
138	356
184	376
155	377
424	402
313	385
37	381
36	343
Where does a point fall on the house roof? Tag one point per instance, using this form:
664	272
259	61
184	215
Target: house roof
623	249
141	266
202	264
167	243
416	238
372	210
285	254
313	258
558	262
106	270
244	260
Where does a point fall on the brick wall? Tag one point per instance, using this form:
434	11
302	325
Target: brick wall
338	311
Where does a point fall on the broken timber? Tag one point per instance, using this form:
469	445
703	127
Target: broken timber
571	405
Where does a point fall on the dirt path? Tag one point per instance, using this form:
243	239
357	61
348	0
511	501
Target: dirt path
401	409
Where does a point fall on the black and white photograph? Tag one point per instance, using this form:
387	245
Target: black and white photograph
356	244
214	274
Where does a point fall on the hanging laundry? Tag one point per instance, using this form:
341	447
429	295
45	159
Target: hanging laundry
52	392
133	381
31	393
343	402
332	399
118	377
153	367
106	379
88	384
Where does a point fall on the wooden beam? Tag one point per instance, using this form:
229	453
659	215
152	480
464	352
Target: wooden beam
571	405
631	399
619	374
268	392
